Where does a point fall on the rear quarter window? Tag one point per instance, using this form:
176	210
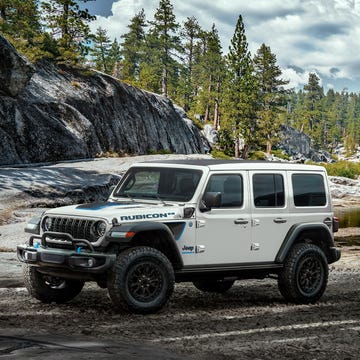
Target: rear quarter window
308	190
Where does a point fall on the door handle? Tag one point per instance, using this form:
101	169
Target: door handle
280	221
241	221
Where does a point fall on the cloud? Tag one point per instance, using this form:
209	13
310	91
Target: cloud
307	34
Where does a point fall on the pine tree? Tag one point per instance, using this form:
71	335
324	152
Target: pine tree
69	25
114	59
165	29
211	73
313	116
20	23
133	48
100	51
190	36
271	95
240	102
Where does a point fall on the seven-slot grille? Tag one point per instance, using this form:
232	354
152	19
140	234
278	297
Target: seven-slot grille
77	228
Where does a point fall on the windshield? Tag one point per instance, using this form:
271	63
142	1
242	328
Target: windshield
159	183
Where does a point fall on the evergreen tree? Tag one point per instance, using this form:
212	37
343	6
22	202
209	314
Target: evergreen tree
20	23
114	59
133	47
271	95
190	35
211	73
100	51
240	99
313	116
165	30
69	25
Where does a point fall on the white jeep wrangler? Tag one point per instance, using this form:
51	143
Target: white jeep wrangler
206	221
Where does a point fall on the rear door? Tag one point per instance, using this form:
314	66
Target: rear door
270	213
224	233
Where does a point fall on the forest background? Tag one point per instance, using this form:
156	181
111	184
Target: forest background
243	95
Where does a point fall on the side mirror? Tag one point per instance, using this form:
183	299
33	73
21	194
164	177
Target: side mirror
210	200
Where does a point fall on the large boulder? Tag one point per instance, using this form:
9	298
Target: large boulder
65	114
15	70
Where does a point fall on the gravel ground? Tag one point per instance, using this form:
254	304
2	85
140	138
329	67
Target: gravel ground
250	321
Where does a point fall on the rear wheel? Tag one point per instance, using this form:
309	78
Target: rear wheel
304	277
48	288
141	281
215	286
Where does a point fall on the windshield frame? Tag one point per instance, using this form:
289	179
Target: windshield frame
167	176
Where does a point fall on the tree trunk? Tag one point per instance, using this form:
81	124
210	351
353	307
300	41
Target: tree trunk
236	148
216	115
164	83
3	13
268	146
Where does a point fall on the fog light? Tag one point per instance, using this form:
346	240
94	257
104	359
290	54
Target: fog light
91	262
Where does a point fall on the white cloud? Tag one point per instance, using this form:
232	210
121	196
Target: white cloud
310	34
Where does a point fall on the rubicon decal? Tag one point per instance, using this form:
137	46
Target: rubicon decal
146	216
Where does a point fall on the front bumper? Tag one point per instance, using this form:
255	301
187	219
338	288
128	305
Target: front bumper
76	259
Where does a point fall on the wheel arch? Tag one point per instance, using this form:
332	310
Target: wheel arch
151	234
315	233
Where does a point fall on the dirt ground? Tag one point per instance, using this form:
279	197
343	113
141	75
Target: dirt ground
251	321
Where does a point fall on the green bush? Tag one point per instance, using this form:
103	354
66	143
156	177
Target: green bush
257	155
159	152
343	168
279	154
217	154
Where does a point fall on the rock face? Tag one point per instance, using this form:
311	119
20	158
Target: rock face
15	70
66	114
295	142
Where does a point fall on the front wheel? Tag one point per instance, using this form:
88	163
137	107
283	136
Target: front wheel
48	288
215	286
141	281
304	277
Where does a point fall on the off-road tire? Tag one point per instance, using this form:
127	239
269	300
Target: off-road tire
141	280
214	286
304	277
50	289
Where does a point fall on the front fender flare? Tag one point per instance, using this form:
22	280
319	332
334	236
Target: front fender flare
124	234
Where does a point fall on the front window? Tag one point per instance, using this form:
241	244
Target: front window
172	184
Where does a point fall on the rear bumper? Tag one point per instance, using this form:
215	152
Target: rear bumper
335	254
75	260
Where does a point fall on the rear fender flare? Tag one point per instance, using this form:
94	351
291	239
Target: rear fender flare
294	234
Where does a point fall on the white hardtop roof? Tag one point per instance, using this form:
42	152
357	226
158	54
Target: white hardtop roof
222	165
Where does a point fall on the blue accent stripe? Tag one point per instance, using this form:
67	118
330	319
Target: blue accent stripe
98	206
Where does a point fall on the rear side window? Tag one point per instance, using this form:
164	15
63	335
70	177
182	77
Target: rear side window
268	190
309	190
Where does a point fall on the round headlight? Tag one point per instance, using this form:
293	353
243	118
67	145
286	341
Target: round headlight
47	223
100	228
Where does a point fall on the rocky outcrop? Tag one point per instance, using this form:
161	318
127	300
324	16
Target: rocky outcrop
15	70
64	114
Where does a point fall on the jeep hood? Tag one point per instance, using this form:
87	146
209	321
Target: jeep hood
123	212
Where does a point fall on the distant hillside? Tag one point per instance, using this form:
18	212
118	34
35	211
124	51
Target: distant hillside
52	113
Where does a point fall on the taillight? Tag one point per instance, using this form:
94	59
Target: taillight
335	225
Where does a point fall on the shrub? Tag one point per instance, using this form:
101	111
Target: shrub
217	154
343	168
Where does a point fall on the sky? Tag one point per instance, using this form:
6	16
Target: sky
321	36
